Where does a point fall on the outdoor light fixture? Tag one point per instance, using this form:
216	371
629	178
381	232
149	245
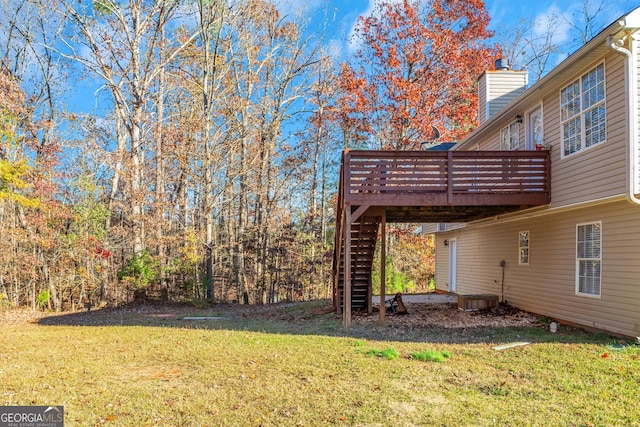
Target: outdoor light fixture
446	243
519	118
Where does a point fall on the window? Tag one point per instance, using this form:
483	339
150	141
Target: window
534	129
582	112
523	248
510	137
442	226
588	258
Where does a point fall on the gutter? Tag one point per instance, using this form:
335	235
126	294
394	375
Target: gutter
633	167
629	23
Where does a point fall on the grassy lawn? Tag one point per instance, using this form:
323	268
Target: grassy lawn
298	368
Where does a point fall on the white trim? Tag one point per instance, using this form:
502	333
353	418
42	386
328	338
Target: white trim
581	113
631	98
529	144
487	102
544	211
599	259
511	130
528	248
547	84
453	269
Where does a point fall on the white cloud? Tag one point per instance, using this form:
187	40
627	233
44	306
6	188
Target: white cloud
335	49
499	11
555	20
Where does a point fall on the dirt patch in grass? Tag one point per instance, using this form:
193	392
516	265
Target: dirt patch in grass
447	315
434	322
445	323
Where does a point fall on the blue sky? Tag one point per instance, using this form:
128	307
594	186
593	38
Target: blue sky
341	15
334	21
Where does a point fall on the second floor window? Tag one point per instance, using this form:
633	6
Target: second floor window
510	137
582	112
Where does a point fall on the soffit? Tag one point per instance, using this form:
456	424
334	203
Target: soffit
560	76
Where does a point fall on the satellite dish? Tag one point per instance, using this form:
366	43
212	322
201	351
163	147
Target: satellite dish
435	133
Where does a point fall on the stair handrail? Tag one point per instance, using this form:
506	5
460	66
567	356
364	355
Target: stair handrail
340	227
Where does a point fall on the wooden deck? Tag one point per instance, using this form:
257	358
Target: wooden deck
377	187
445	186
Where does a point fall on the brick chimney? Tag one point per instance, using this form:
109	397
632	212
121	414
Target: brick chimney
498	88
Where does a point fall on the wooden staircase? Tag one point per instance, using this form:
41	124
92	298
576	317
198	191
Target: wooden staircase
380	187
364	232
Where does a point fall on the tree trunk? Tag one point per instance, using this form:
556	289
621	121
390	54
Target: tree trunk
160	180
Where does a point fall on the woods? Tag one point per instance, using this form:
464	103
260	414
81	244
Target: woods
205	168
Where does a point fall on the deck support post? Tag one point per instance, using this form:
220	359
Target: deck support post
450	177
347	270
423	186
336	275
383	265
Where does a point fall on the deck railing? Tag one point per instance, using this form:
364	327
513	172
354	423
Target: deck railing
446	177
392	179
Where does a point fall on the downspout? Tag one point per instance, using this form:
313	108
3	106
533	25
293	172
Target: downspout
630	69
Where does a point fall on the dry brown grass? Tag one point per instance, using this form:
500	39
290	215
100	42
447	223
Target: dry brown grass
293	365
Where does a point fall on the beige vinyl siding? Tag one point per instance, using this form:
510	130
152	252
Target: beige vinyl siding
429	228
547	285
479	261
455	225
586	187
441	277
432	227
491	143
597	172
594	173
504	87
496	89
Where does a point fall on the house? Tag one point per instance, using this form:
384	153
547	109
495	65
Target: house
539	205
576	259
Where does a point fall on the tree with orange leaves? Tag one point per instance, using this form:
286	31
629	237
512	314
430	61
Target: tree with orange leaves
415	69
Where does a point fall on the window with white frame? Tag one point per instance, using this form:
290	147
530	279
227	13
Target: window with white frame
523	248
583	113
510	137
588	258
534	133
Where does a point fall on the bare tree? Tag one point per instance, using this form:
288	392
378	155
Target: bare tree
194	164
273	65
537	43
118	43
587	19
530	44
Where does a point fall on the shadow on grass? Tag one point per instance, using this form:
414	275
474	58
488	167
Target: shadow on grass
318	318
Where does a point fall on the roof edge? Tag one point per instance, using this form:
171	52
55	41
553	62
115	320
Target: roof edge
628	22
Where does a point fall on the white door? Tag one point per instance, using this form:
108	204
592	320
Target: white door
534	129
453	264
